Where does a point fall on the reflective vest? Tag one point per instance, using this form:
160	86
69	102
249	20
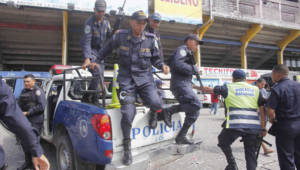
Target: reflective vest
242	104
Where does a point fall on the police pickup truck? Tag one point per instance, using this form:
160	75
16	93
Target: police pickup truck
88	137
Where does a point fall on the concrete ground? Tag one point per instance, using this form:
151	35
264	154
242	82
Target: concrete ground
209	157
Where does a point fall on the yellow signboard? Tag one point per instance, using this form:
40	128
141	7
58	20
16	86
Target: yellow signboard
186	11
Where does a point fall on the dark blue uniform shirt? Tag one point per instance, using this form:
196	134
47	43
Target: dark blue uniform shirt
182	69
137	55
13	118
33	101
94	37
157	34
285	99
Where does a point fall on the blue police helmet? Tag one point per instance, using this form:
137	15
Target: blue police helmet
156	17
239	74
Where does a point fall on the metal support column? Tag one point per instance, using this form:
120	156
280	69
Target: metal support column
201	31
64	55
283	43
250	34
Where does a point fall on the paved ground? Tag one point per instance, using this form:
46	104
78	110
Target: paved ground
208	158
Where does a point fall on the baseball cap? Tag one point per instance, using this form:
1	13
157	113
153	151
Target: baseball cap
239	74
100	5
156	17
139	15
193	37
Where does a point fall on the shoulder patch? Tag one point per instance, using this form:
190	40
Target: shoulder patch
123	31
182	52
38	92
87	29
156	44
150	34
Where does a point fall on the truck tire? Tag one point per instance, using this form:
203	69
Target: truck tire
64	153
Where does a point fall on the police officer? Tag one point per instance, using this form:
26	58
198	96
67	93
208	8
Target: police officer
138	52
32	102
12	117
153	27
96	31
284	109
242	102
182	71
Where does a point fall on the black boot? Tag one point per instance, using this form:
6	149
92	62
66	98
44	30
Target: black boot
230	159
168	112
127	158
28	165
95	99
87	98
167	117
181	137
153	119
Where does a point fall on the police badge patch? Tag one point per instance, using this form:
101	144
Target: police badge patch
156	44
182	52
38	92
87	29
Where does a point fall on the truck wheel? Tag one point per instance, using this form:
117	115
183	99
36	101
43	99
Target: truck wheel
64	153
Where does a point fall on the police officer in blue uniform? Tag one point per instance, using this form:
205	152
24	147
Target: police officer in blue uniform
12	117
138	52
284	109
242	119
96	31
153	27
32	102
182	71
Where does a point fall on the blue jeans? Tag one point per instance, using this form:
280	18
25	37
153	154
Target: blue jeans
214	107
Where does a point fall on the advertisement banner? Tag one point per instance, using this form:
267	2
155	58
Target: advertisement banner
182	11
84	5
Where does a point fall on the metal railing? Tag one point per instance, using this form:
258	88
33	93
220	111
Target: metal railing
281	13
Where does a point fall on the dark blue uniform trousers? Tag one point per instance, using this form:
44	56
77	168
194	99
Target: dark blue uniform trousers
188	103
149	95
96	73
228	136
288	144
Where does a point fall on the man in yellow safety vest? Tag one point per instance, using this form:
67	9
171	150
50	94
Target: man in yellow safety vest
242	120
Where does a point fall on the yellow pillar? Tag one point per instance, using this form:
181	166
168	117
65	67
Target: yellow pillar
250	34
283	43
201	31
64	38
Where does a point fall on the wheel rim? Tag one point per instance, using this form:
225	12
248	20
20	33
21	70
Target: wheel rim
65	158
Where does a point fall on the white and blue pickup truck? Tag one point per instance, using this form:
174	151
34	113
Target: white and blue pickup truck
88	137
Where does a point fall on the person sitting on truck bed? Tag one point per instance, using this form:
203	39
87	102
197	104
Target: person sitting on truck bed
32	102
138	52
